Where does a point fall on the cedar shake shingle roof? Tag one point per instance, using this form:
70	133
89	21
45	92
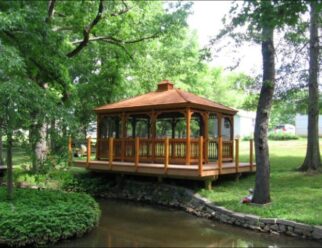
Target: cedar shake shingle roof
165	96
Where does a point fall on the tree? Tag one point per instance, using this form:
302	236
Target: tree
261	19
75	47
262	187
312	159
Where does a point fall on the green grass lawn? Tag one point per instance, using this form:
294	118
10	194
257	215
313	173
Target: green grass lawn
295	195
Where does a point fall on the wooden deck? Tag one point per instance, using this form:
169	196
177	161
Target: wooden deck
210	170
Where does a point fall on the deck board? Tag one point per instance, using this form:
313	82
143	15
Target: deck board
174	170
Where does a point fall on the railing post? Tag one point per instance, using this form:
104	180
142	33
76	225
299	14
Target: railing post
220	154
237	155
137	153
200	167
70	151
89	141
166	155
110	151
251	145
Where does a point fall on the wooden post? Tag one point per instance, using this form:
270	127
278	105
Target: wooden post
208	184
251	145
166	155
231	118
110	151
237	155
137	153
220	153
123	136
188	150
219	116
89	141
97	154
206	135
70	151
200	167
153	133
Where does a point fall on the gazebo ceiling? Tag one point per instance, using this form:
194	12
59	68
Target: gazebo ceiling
166	96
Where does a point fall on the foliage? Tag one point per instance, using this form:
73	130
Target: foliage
92	183
39	217
248	137
295	196
282	136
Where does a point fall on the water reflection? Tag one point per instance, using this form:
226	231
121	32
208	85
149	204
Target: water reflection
126	224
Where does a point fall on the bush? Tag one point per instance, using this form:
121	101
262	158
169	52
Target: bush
91	183
282	136
38	217
248	137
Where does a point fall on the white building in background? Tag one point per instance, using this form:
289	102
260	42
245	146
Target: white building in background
301	122
244	123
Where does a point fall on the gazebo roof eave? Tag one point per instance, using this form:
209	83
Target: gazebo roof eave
173	106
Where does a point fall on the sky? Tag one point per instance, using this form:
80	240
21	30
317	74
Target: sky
207	21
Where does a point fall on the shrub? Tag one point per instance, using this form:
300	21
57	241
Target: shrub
282	136
90	183
248	137
38	217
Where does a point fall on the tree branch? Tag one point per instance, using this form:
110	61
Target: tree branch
51	7
121	46
122	11
112	39
87	30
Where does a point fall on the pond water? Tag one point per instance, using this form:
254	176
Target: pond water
128	224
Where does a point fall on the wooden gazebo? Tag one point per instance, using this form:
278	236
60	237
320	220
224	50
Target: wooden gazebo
168	132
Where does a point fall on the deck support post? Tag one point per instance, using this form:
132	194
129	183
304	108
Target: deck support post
70	151
137	153
220	154
88	151
237	176
160	179
188	120
237	155
166	155
251	145
200	164
110	152
208	184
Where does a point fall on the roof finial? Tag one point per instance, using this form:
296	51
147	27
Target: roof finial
165	85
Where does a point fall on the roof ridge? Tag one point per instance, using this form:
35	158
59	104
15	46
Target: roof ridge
179	92
210	100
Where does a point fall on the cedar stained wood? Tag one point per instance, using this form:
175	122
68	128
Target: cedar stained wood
166	96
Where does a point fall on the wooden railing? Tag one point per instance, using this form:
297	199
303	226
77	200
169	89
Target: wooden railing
153	150
162	150
227	149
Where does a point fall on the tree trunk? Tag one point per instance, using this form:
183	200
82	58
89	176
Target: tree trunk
262	187
9	167
1	148
33	141
37	139
41	145
53	139
312	159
